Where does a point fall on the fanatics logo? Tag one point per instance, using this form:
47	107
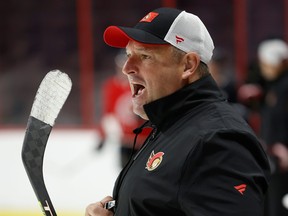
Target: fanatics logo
179	39
149	17
241	188
154	161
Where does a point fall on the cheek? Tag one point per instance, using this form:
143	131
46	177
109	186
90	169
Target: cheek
162	78
165	83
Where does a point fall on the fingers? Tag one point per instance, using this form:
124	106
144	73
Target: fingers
94	209
281	152
106	199
97	209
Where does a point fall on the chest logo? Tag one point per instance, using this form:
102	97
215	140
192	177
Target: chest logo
154	160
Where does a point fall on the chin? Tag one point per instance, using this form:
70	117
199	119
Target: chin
145	117
141	113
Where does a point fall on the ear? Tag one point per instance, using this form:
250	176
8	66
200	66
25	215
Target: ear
191	61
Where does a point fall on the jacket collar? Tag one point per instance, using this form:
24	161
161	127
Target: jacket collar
166	110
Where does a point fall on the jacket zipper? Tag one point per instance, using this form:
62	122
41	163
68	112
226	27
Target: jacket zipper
151	138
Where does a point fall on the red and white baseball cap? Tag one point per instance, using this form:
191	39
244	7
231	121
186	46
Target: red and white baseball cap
165	26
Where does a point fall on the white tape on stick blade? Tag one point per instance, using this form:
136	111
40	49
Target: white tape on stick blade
50	97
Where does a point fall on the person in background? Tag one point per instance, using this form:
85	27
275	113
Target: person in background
118	120
201	158
222	72
267	86
273	64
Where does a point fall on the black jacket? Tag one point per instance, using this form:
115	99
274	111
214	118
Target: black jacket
203	160
274	115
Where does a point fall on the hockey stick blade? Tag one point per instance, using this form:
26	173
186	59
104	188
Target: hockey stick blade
49	100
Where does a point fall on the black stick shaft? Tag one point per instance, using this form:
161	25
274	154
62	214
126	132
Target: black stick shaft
35	141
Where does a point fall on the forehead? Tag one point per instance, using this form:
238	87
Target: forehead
136	46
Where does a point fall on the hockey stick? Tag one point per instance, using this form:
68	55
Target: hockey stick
51	96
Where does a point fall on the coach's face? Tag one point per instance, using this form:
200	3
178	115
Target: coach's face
153	72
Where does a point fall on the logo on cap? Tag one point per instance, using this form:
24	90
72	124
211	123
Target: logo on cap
149	17
179	39
154	160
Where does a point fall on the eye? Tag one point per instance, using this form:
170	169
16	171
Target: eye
144	56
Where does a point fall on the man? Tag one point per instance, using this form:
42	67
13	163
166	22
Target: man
201	158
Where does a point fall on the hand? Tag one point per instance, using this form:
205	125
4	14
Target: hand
97	209
249	92
281	152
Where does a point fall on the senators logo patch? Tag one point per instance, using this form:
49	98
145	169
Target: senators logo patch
154	160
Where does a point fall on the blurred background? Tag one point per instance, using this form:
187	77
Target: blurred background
39	36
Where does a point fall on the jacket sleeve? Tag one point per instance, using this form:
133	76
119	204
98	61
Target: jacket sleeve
226	175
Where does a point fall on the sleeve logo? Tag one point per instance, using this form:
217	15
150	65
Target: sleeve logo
241	188
154	160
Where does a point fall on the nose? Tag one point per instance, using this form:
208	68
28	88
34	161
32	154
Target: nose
129	67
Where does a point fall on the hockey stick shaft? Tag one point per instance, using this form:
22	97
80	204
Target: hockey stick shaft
34	145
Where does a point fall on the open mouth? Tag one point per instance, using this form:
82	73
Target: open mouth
137	89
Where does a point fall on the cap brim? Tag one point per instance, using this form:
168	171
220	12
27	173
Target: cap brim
119	37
